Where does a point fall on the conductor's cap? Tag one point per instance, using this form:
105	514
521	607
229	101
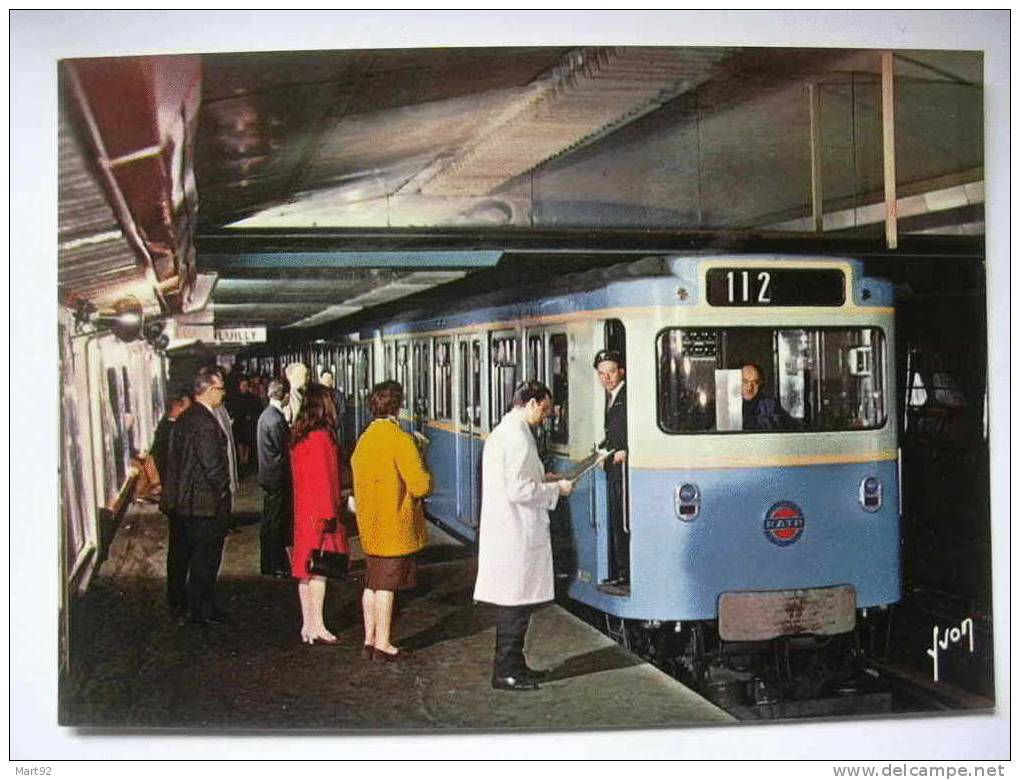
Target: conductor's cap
608	354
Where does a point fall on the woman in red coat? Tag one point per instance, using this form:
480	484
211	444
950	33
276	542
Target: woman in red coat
313	464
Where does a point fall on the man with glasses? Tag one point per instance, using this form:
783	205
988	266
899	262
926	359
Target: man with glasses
196	494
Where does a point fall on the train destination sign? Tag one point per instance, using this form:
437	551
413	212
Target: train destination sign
775	287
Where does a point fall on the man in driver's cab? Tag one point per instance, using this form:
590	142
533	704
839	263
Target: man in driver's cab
761	412
611	370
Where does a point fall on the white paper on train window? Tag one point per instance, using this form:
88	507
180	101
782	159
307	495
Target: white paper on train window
728	403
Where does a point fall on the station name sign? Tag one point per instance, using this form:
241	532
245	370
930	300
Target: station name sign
775	287
251	335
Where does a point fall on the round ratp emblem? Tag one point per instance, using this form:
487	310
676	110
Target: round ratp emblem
784	523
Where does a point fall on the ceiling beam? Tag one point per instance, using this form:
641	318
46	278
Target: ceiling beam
295	260
561	242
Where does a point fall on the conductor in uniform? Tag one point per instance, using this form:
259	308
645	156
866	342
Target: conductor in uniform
611	370
515	566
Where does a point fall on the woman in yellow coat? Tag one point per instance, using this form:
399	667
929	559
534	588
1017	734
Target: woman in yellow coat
390	481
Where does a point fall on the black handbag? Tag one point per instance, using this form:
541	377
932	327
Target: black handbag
328	563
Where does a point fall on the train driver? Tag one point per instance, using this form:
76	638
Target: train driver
611	371
761	412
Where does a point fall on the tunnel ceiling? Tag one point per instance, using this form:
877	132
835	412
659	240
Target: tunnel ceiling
308	166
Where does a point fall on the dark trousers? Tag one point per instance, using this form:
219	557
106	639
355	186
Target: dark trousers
276	532
511	627
178	555
204	539
619	539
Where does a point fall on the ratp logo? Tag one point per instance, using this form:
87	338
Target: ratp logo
784	523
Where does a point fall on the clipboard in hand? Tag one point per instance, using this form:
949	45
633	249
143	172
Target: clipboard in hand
586	465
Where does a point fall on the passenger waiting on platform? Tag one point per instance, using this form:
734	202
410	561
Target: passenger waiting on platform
515	567
176	573
244	411
274	479
197	499
390	481
297	378
317	501
223	418
180	400
326	378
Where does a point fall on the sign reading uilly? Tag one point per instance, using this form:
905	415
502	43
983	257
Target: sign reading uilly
240	335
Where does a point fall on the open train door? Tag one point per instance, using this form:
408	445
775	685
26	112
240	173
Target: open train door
609	487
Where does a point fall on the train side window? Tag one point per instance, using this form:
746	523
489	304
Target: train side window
348	388
443	392
558	433
503	376
365	377
402	366
389	367
420	378
536	357
616	337
476	383
463	378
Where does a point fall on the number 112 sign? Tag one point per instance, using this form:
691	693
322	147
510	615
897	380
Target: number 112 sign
775	287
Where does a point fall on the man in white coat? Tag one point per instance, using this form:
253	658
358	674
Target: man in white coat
515	570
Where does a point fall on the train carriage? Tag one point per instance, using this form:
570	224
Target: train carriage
769	532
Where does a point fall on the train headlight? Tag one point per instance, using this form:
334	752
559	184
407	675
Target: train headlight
870	494
687	501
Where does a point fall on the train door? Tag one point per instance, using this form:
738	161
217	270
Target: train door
505	372
610	485
471	404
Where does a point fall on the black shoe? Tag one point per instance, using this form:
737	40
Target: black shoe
179	614
220	618
215	618
514	684
535	675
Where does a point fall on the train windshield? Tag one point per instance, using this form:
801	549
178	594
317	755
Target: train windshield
770	379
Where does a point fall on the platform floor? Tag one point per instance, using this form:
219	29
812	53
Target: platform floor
136	667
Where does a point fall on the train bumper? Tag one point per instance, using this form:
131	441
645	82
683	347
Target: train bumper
758	615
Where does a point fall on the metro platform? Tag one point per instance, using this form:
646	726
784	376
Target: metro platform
135	667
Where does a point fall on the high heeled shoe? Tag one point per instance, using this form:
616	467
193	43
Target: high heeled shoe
323	640
367	651
382	655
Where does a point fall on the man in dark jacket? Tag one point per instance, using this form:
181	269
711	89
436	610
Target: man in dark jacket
611	370
760	412
196	495
273	439
176	576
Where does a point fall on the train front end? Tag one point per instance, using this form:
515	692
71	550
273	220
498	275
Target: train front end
770	508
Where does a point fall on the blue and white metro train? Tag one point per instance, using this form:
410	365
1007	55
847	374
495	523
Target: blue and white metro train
765	533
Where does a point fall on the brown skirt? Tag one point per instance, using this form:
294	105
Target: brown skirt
391	573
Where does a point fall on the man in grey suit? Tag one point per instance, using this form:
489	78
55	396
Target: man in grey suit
273	443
